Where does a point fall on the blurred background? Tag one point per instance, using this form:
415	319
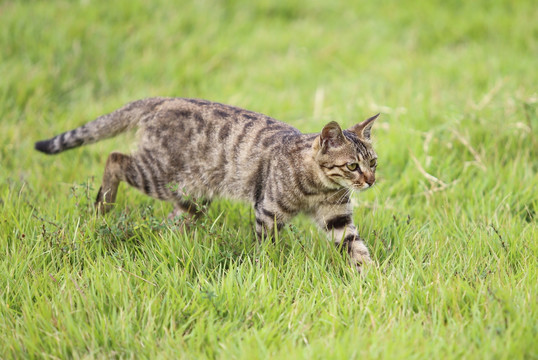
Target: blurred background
451	221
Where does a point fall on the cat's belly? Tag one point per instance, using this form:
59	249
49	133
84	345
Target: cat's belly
213	184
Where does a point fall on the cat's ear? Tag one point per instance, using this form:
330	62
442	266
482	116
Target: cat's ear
331	136
364	129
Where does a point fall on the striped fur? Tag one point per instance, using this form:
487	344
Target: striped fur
191	148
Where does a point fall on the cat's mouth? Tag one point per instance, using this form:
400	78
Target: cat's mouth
362	186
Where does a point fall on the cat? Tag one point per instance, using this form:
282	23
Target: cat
207	149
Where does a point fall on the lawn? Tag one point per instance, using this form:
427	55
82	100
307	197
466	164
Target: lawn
451	223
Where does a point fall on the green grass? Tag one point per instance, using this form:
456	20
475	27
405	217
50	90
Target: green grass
451	223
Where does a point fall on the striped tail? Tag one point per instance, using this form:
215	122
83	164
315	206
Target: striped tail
103	127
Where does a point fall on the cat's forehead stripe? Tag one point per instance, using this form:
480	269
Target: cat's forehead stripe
358	144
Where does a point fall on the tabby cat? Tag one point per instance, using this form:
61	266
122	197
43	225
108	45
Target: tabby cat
208	149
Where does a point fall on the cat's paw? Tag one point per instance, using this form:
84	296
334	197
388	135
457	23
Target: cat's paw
360	257
363	265
181	220
102	208
103	202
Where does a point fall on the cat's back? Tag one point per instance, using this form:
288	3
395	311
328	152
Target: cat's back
194	120
213	145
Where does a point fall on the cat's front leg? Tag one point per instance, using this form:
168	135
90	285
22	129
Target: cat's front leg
340	229
271	215
357	251
267	221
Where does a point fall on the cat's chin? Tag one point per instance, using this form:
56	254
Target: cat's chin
362	187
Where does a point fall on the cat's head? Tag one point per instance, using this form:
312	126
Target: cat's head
347	157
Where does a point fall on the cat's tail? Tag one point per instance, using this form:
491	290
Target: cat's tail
101	128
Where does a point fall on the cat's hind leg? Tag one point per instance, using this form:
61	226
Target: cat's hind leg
116	166
140	172
186	212
189	208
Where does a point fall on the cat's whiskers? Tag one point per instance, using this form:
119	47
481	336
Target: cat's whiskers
337	192
338	203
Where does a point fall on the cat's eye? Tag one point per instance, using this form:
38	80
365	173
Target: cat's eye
373	162
352	166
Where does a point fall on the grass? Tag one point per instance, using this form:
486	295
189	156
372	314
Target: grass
451	222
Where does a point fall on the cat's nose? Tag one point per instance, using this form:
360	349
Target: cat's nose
370	180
